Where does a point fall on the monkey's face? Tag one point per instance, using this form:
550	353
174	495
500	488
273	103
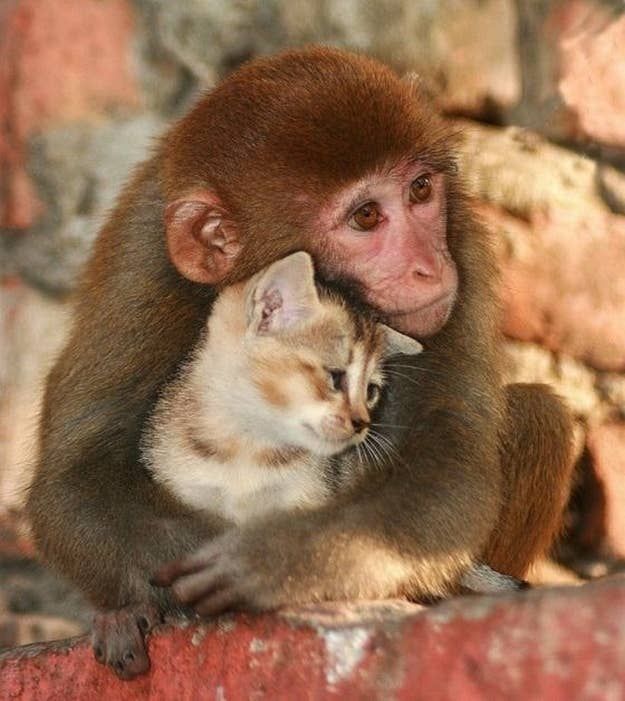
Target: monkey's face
323	151
388	232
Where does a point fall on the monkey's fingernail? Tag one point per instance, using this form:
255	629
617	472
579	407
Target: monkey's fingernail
156	581
144	624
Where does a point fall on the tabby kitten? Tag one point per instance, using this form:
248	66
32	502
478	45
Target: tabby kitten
285	377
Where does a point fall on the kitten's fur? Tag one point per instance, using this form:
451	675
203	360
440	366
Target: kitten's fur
285	376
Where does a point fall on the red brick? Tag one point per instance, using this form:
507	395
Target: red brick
59	60
556	644
592	76
606	443
563	282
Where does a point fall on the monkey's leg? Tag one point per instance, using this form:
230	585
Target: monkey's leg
537	465
108	536
118	637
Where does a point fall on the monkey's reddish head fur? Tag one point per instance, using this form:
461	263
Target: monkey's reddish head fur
299	125
322	150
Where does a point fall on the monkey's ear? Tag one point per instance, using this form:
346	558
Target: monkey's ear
202	243
282	295
399	343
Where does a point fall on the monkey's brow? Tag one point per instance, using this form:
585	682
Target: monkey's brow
420	159
362	194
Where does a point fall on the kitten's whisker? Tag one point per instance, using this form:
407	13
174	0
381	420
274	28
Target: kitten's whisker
390	449
383	450
416	368
388	445
376	423
373	453
359	454
403	376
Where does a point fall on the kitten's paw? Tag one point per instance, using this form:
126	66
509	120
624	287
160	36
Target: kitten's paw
118	638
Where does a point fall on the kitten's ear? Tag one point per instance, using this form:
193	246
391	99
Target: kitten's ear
283	295
399	343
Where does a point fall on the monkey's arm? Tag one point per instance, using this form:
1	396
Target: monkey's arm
413	535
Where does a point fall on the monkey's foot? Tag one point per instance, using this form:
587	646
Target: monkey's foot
118	638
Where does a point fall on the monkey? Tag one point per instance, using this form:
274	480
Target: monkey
330	152
285	377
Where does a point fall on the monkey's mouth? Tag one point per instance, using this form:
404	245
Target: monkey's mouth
425	320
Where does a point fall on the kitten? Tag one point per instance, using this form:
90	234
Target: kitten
285	377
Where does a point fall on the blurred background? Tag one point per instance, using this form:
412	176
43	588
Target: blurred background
539	88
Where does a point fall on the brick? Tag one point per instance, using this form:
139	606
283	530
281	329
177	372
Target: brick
59	60
562	283
606	443
558	644
592	75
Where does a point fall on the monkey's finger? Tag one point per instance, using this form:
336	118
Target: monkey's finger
172	571
194	587
219	602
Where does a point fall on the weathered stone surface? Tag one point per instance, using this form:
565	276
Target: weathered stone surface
521	172
515	647
79	170
465	51
573	381
606	443
209	37
571	72
35	604
32	628
59	61
592	75
563	285
32	329
612	387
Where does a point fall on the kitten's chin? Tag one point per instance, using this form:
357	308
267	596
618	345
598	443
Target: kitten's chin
327	447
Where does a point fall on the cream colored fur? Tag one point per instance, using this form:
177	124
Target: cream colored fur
248	426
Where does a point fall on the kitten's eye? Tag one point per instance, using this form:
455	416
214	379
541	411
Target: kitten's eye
337	379
373	394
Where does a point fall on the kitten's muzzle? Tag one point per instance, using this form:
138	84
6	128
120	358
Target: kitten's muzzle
337	427
360	424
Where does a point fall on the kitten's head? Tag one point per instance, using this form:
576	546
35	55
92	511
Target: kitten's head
316	365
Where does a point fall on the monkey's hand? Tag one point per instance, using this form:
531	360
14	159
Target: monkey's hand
297	558
219	577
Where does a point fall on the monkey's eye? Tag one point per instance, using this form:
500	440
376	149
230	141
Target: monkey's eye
365	217
373	394
421	189
337	379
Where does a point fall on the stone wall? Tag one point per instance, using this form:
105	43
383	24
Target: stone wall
537	87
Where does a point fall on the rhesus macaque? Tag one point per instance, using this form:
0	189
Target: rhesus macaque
332	153
285	377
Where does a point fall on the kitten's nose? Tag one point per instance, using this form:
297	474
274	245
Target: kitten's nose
360	423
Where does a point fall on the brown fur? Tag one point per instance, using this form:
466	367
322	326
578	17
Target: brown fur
483	469
280	457
224	451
